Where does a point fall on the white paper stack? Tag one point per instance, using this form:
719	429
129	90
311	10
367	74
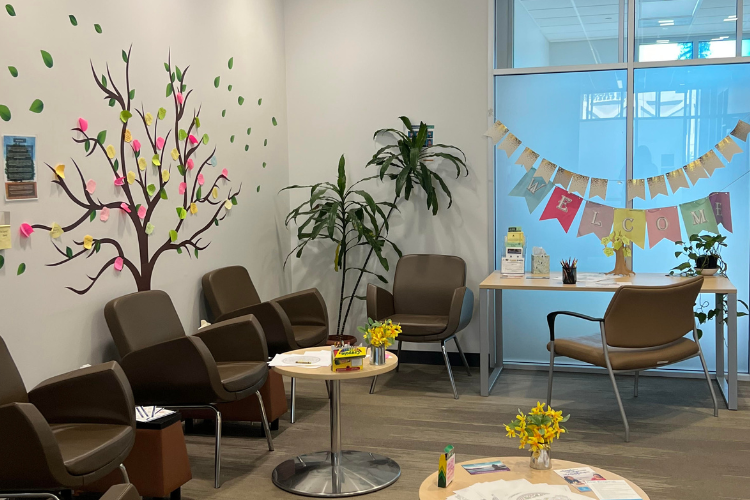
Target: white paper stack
149	413
310	359
515	490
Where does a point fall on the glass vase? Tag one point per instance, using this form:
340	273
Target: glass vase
541	459
377	355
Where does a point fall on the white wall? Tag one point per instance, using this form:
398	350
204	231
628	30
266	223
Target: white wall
354	67
530	47
50	329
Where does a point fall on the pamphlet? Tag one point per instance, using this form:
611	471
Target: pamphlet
485	467
311	359
580	477
519	489
149	413
614	490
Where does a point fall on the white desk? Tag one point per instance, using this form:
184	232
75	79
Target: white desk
491	321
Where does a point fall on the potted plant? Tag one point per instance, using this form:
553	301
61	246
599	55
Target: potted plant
620	249
379	335
704	255
538	430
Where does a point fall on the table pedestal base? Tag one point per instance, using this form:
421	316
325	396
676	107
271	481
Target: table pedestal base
315	475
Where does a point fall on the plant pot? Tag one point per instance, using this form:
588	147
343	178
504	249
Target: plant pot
707	262
621	265
542	459
346	339
377	355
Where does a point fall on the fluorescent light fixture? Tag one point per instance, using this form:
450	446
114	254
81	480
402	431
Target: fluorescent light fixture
665	24
662	41
732	18
666	21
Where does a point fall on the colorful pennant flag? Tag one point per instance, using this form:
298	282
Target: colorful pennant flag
579	184
699	216
632	223
710	162
677	180
562	206
596	219
636	189
598	188
496	131
509	144
741	130
532	189
657	185
563	177
545	170
527	158
722	208
728	148
662	223
695	171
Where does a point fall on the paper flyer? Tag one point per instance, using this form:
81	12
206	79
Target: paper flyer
580	477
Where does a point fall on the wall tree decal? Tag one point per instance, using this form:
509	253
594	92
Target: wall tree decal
142	198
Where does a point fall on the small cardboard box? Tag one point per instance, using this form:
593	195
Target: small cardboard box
347	359
446	467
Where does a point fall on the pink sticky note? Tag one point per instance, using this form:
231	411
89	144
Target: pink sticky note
83	124
104	214
136	145
182	187
142	212
118	264
91	186
26	230
225	173
125	207
190	164
201	180
119	181
179	97
160	143
193	139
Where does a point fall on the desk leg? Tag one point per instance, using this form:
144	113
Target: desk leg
727	380
484	342
719	323
490	339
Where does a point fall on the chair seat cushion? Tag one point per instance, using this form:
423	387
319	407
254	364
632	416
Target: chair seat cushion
589	349
236	377
309	335
86	448
418	325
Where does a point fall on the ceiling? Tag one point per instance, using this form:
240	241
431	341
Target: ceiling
572	20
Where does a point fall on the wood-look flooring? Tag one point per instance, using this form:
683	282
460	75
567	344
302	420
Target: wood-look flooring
678	450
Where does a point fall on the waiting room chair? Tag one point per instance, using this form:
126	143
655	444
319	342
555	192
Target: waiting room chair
224	362
430	300
121	492
644	327
66	433
290	322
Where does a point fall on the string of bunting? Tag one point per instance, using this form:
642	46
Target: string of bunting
569	189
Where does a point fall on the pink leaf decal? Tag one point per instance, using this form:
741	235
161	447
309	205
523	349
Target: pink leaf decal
104	214
179	97
193	139
136	145
225	173
190	164
142	212
201	180
83	124
119	181
118	264
91	186
160	143
26	230
182	188
125	207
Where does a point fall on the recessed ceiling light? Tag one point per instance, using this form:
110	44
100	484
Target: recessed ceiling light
666	21
662	41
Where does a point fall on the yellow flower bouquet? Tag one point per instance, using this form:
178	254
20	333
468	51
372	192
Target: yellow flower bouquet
380	334
537	430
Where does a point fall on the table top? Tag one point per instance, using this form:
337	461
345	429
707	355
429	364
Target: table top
519	469
325	372
496	281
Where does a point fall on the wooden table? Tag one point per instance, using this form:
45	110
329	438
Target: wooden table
519	469
336	473
491	320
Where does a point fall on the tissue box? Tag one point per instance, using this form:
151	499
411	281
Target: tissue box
540	264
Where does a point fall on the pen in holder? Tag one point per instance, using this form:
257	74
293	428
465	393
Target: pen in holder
569	271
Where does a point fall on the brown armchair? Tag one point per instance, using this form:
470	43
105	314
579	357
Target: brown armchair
644	327
430	300
224	362
68	432
290	322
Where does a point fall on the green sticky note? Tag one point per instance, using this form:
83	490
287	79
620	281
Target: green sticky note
149	228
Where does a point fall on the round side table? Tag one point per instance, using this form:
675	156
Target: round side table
336	473
519	469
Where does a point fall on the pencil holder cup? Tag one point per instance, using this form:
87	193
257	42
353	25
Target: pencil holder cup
569	275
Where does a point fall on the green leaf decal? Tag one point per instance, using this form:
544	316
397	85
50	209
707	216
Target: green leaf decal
97	246
260	101
179	251
198	193
21	269
231	62
4	112
265	142
179	72
151	189
169	89
124	56
10	9
217	81
166	67
264	164
173	235
248	130
98	28
104	81
131	94
181	170
241	100
13	71
92	216
101	137
181	212
163	195
182	135
205	139
216	222
161	113
196	253
112	103
2	261
86	146
37	106
197	122
273	120
47	58
73	20
125	115
247	147
229	88
257	190
234	200
116	165
231	139
69	252
223	113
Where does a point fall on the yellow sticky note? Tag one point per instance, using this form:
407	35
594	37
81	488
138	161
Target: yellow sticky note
175	154
4	237
149	118
155	160
228	204
165	175
215	192
60	171
111	151
131	177
88	242
142	163
193	208
128	136
56	230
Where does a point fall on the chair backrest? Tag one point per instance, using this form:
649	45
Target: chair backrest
650	316
12	389
424	284
228	289
142	319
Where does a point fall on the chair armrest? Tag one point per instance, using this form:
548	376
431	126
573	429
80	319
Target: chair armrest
239	339
30	457
461	311
551	320
176	372
275	323
379	303
305	307
97	394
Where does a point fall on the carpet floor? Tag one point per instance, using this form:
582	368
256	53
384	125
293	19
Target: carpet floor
677	449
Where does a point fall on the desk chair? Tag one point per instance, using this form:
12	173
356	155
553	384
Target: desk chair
430	300
290	322
224	362
644	327
67	432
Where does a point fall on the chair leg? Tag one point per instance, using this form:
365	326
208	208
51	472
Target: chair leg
266	428
551	372
619	403
217	451
450	372
124	472
293	398
372	385
635	385
463	358
398	354
710	384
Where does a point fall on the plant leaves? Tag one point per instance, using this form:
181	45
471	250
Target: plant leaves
265	142
234	200
98	28
183	87
21	269
179	251
229	87
125	115
198	193
231	139
231	62
179	72
69	252
181	169
247	146
172	235
10	9
196	253
97	246
181	212
217	81
260	101
104	81
2	261
101	137
124	56
37	106
273	120
257	190
86	146
116	165
248	130
241	100
131	94
73	20
112	103
4	112
223	113
13	71
182	135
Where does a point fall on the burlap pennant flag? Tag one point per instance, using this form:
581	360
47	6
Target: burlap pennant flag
563	177
532	189
598	188
527	158
509	144
722	209
728	148
662	223
596	219
562	206
695	171
578	184
631	223
496	131
636	189
699	216
710	162
657	185
677	180
545	170
741	130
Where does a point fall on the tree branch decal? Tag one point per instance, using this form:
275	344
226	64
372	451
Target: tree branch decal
144	186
